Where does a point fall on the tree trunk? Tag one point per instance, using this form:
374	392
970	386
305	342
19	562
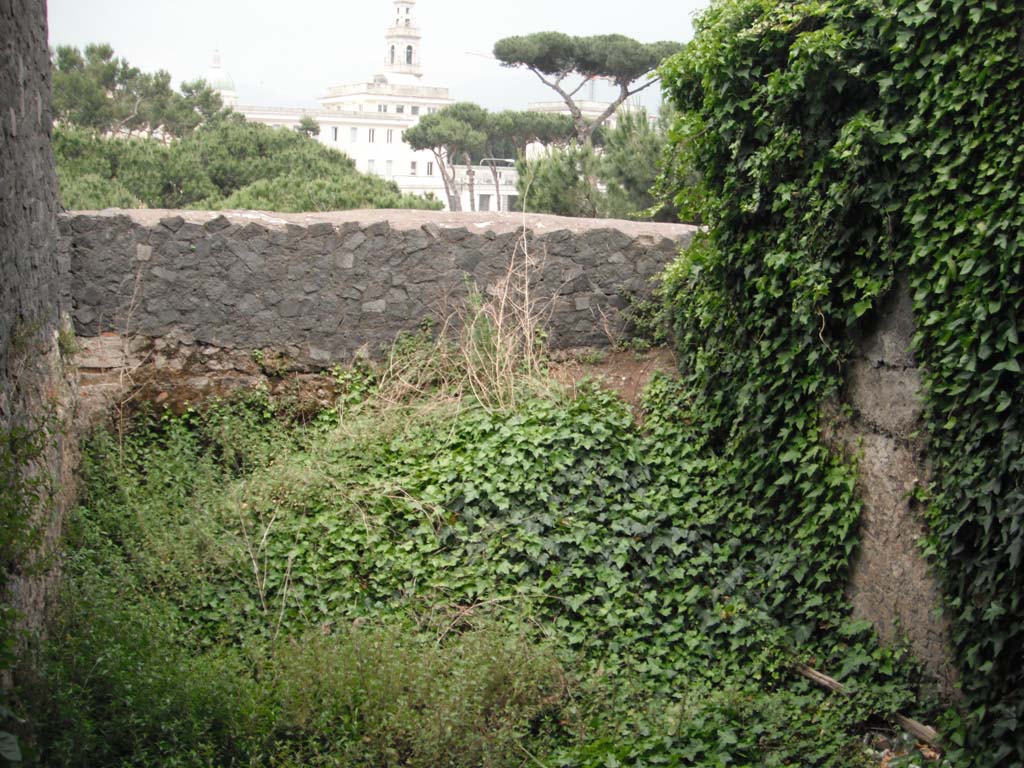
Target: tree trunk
454	204
497	188
470	174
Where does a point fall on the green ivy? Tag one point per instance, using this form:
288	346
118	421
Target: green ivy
840	144
225	536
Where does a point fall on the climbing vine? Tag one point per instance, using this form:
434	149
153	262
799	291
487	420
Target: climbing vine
840	144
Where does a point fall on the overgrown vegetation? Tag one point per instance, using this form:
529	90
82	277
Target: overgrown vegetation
455	566
839	145
24	491
226	165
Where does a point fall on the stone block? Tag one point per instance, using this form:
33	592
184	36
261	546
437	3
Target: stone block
887	398
378	229
173	223
320	229
353	241
217	224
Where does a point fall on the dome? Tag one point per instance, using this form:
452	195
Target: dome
221	81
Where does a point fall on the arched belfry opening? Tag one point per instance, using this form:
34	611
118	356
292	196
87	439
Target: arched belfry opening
402	56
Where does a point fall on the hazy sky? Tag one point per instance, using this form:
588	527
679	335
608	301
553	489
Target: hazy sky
289	53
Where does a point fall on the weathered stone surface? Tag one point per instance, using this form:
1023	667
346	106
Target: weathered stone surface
34	386
340	282
890	582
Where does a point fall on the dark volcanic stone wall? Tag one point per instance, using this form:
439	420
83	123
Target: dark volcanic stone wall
32	381
29	278
325	286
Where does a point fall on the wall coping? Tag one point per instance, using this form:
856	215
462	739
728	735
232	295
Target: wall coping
406	219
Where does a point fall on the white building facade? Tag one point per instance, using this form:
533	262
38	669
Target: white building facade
367	120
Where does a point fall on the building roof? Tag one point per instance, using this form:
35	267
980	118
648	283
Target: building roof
217	76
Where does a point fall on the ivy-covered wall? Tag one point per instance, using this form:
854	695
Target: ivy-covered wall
841	144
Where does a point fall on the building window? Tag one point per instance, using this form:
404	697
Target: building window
390	169
391	135
400	109
369	166
430	168
392	54
334	134
353	134
382	107
431	110
415	110
408	51
371	134
412	168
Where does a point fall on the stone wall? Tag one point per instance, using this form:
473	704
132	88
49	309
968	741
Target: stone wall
890	582
326	286
34	391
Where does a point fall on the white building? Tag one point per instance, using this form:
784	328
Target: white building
218	78
366	120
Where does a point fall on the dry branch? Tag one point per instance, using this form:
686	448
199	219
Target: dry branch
918	730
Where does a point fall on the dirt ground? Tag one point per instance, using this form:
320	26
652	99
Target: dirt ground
120	377
625	371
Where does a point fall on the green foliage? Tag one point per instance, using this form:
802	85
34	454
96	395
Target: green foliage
92	89
620	59
91	192
309	126
456	133
559	182
469	134
840	144
298	192
470	585
616	181
24	489
231	164
513	131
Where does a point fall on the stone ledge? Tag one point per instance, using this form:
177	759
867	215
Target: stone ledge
433	223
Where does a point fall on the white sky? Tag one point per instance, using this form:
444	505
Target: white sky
289	53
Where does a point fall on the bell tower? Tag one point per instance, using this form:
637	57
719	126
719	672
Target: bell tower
402	53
